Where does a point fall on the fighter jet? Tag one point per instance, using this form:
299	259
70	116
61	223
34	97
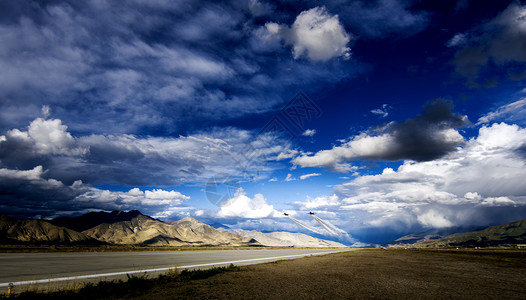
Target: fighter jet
286	214
311	213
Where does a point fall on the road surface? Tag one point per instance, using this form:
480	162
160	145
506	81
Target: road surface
38	268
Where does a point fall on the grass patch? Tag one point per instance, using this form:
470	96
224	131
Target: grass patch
133	286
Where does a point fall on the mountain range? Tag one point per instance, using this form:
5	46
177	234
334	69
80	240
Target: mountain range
134	228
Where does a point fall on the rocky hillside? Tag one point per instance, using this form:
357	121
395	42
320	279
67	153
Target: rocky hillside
13	231
285	239
506	234
144	230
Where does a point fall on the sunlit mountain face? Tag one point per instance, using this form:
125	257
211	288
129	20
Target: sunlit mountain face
381	118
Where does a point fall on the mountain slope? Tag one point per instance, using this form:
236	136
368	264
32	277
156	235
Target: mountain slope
509	233
285	239
38	231
145	230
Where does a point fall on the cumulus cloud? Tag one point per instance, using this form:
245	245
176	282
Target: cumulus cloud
319	35
425	137
241	206
500	41
306	176
315	33
51	137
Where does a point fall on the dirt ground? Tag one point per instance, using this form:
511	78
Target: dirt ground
367	274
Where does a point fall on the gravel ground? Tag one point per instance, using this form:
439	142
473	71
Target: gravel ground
366	274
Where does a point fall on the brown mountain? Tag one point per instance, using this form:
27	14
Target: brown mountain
13	231
144	230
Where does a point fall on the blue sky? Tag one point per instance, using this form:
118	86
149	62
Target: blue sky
384	118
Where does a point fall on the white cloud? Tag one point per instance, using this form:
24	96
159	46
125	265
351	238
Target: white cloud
33	174
30	177
474	196
361	145
289	178
497	201
309	132
134	198
43	137
435	219
241	206
315	33
319	202
306	176
273	179
319	35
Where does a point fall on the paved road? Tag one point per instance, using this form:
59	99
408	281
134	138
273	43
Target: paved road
24	267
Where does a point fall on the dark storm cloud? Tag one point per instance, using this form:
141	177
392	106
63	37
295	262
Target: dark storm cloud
428	136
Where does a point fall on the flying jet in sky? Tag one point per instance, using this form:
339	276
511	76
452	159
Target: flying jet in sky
286	214
311	213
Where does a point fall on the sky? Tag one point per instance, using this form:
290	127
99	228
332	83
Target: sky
384	118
